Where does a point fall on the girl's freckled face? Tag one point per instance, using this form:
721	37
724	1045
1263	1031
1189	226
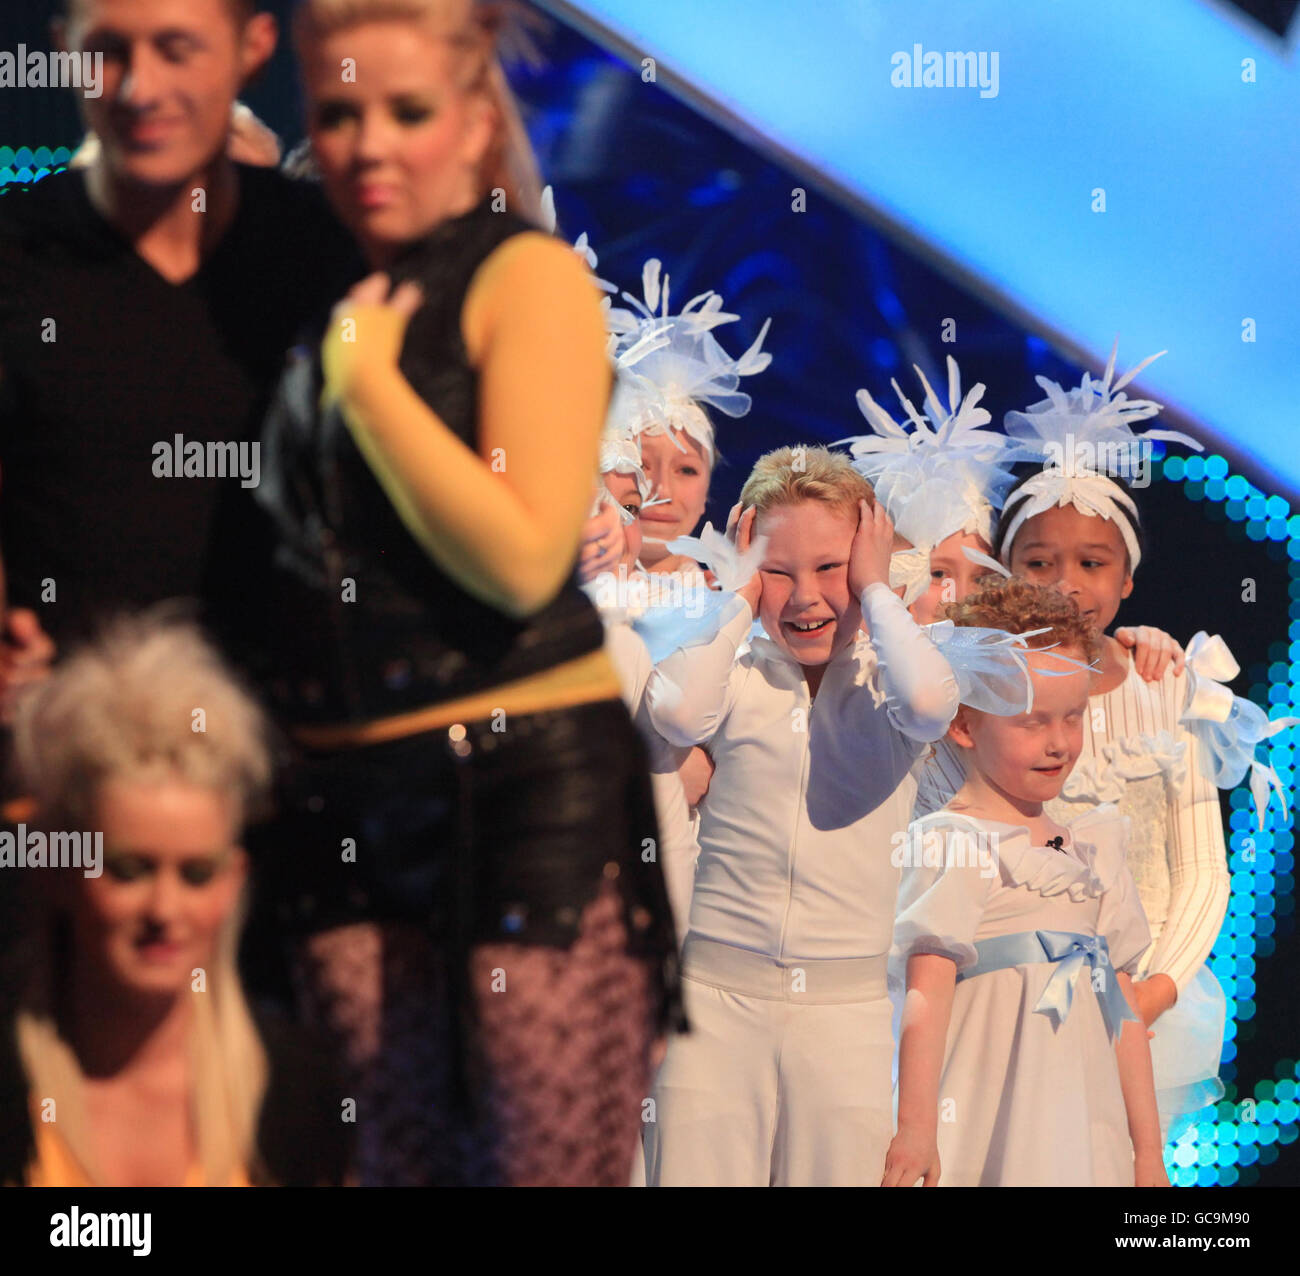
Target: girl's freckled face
680	474
952	576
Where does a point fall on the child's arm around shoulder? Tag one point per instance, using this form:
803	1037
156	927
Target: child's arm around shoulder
1154	651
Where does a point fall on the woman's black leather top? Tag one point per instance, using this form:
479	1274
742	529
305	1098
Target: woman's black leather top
364	622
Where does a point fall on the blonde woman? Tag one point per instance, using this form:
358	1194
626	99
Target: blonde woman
132	1058
469	828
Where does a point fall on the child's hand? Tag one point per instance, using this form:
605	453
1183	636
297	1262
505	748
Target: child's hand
696	773
602	544
1153	649
912	1155
1149	1171
1154	995
873	544
740	529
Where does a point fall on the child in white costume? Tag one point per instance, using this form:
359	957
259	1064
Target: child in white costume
623	486
1022	1062
784	1077
673	369
667	366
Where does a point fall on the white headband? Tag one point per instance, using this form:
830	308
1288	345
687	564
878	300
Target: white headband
1092	494
669	414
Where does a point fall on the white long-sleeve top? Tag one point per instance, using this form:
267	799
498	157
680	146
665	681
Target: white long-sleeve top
678	848
1137	755
796	833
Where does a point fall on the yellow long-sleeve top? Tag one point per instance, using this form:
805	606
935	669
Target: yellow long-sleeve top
464	448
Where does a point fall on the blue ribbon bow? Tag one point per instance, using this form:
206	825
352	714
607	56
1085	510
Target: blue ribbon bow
1071	952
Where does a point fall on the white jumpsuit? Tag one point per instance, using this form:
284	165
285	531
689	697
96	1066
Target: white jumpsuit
785	1076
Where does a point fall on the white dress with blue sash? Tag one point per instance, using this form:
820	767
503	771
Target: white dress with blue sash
1030	1091
1141	751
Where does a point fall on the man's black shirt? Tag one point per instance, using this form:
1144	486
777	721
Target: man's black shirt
103	359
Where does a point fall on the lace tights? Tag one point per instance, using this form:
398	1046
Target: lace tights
565	1036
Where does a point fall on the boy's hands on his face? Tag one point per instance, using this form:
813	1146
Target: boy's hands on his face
873	545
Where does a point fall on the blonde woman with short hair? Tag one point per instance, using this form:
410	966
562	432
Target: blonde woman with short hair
133	1058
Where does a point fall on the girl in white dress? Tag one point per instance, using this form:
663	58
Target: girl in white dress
1022	1060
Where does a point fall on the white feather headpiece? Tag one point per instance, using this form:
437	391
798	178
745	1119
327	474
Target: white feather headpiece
670	364
938	474
1085	439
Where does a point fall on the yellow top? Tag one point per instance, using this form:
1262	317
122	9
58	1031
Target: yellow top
54	1165
506	530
